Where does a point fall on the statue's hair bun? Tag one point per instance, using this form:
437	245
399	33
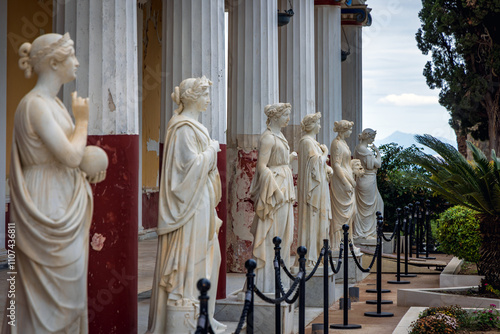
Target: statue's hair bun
24	61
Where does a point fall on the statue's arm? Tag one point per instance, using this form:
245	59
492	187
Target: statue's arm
266	145
69	151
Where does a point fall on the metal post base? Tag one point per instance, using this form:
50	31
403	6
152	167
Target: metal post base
408	275
428	258
348	326
375	291
398	282
383	301
380	315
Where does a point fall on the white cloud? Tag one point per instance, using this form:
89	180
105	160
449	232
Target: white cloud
408	100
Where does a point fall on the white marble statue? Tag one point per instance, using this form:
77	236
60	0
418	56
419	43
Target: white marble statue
273	195
342	184
368	199
313	189
188	226
50	194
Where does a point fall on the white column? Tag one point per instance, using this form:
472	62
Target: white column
193	46
352	82
253	69
3	116
327	24
252	84
296	65
105	36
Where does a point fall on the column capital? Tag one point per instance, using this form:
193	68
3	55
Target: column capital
332	2
356	15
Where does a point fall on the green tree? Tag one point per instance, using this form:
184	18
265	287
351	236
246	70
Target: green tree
474	184
395	186
463	37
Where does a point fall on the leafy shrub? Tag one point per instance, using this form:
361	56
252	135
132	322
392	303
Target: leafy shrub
485	319
458	233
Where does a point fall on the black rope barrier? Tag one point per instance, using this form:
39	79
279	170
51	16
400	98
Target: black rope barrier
407	215
396	229
203	325
398	250
339	263
246	308
367	270
285	269
321	254
282	298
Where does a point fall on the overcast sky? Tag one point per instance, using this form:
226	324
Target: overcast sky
395	94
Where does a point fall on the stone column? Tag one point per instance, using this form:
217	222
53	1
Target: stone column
327	28
3	119
296	65
353	20
105	36
253	84
194	45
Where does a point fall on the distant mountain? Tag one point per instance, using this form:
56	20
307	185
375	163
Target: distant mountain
408	139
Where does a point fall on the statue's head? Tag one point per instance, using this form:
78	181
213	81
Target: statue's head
310	122
357	168
367	135
342	126
190	91
49	52
275	111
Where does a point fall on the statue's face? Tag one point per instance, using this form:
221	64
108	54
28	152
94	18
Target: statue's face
284	119
203	101
68	67
317	127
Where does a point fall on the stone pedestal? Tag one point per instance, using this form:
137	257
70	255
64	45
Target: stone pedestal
230	310
354	273
328	67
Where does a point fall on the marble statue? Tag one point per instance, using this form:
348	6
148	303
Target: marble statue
313	190
188	226
50	194
368	199
342	184
273	195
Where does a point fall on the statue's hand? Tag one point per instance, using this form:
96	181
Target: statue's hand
80	108
293	156
99	177
329	171
278	195
324	149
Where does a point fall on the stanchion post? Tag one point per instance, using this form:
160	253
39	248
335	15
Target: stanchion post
302	251
326	287
378	290
203	286
346	324
277	287
410	227
250	265
407	214
379	312
398	250
416	217
428	229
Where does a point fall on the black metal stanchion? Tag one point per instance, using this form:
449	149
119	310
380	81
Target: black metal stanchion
379	300
428	230
277	286
302	251
203	325
398	250
407	214
250	265
379	214
346	324
410	228
417	216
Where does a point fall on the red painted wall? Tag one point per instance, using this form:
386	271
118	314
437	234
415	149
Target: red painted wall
222	213
112	277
